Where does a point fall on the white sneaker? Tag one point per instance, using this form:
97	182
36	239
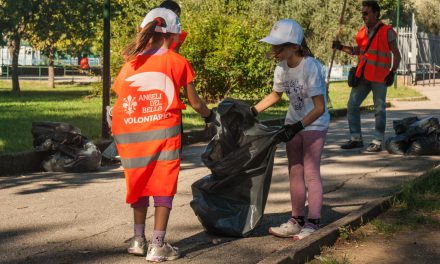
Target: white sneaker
165	252
288	229
306	231
137	246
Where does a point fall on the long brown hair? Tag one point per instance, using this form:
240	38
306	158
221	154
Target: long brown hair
304	50
143	38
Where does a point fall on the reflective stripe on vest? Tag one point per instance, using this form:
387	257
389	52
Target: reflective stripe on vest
132	163
148	135
377	63
377	59
378	53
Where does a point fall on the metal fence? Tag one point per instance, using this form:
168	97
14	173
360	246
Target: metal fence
420	54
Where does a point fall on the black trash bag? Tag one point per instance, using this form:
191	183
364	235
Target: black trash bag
425	146
415	137
401	126
397	145
423	127
66	149
232	199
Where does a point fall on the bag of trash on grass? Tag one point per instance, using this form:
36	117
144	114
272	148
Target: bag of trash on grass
232	199
66	149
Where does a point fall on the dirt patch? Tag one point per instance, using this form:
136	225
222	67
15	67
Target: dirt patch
379	242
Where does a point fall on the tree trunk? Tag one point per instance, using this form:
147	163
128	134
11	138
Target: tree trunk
51	70
15	52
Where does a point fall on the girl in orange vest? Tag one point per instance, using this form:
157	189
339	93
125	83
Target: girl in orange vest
146	125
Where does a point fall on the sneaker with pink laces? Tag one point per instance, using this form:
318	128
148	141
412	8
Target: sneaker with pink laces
306	231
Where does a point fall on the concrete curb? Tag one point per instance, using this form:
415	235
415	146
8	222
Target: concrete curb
305	249
411	99
30	161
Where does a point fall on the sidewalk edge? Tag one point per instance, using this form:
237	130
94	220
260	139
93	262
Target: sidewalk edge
305	250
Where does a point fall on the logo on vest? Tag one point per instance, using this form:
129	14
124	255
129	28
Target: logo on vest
150	104
129	105
147	81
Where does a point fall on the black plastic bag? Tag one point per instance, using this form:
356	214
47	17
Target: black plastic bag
66	149
415	137
424	146
401	126
397	145
232	199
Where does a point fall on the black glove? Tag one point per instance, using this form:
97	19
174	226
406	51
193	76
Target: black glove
211	126
254	111
289	131
211	118
389	80
336	45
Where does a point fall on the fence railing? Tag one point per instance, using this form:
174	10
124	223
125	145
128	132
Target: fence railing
43	71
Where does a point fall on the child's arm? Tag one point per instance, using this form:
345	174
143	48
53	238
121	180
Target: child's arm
316	112
268	101
195	101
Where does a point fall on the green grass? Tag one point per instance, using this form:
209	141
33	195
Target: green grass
71	104
416	205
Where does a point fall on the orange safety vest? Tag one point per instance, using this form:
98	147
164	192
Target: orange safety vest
377	58
146	121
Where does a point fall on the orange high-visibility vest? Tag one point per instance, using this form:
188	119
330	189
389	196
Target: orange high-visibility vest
378	57
146	122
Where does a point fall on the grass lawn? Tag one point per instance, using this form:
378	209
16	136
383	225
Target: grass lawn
71	104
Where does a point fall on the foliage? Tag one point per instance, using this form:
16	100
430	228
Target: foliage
62	25
14	21
424	17
69	26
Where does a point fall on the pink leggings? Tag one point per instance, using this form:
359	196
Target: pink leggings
304	155
162	201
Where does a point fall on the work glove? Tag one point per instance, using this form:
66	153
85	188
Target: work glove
254	111
211	118
289	131
211	125
389	80
337	45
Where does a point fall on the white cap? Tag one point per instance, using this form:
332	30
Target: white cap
171	19
285	31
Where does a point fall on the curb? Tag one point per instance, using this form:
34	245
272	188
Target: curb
306	249
411	99
30	161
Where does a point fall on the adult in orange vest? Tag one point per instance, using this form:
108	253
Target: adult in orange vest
146	125
376	70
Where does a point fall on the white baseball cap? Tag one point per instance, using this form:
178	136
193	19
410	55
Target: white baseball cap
171	19
285	31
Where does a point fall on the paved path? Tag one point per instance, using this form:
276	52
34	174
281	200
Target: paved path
82	218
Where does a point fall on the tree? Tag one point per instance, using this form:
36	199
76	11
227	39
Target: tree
59	25
425	16
14	20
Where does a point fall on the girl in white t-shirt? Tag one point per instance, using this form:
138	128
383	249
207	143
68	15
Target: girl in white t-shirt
300	76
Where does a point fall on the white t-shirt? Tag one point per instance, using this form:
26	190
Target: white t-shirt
300	84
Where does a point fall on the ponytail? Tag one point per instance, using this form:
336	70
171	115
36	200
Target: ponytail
305	50
142	39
